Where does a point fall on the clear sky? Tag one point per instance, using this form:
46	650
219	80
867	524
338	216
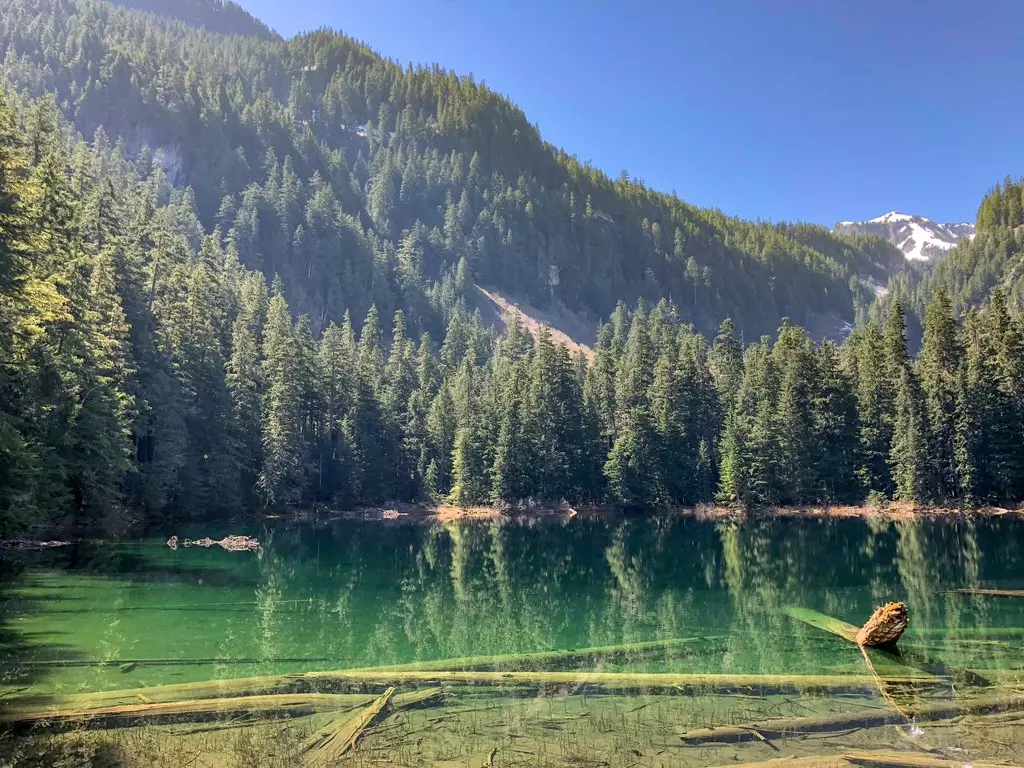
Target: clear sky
813	110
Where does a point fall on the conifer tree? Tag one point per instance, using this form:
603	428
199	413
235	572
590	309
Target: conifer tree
908	456
938	367
246	383
280	479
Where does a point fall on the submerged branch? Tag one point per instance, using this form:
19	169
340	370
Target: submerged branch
800	726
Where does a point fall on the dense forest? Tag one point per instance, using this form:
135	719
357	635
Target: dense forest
275	306
145	368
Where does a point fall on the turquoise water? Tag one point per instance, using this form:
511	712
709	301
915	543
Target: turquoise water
352	594
112	615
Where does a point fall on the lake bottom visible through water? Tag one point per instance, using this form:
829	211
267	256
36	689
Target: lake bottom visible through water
646	642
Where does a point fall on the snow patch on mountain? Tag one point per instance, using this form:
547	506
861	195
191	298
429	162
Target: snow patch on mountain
918	238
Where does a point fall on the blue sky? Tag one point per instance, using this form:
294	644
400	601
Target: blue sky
813	110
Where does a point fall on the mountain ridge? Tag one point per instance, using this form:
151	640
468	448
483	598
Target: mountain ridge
918	238
409	156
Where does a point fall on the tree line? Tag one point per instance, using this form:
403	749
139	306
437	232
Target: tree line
146	371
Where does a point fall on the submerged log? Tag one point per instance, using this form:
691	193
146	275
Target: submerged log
823	622
288	705
889	759
414	699
816	761
854	758
987	592
356	681
883	629
342	733
533	659
801	726
887	660
199	710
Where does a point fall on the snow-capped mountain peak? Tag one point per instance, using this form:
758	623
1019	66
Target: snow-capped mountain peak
919	238
892	217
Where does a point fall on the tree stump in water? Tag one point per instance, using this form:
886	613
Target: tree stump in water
885	626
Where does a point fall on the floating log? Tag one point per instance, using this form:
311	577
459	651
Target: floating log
288	705
342	734
987	592
800	726
888	759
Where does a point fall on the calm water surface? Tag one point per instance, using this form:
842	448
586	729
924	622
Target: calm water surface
108	615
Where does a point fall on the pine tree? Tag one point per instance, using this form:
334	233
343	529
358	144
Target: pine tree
245	382
726	361
938	368
866	363
633	469
836	430
799	451
908	456
280	480
750	442
469	467
511	476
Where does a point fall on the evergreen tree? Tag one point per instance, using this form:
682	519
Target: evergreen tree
280	480
908	457
938	366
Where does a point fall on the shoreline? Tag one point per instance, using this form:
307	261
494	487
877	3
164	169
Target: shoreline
47	537
444	513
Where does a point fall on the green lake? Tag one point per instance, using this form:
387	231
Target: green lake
105	615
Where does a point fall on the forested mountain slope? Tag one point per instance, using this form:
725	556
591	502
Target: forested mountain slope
362	182
277	307
222	16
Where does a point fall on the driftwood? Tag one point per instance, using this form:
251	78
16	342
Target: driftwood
231	543
800	726
359	681
888	759
167	662
988	592
890	660
288	705
26	544
342	734
817	761
855	758
885	627
199	710
531	660
413	699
